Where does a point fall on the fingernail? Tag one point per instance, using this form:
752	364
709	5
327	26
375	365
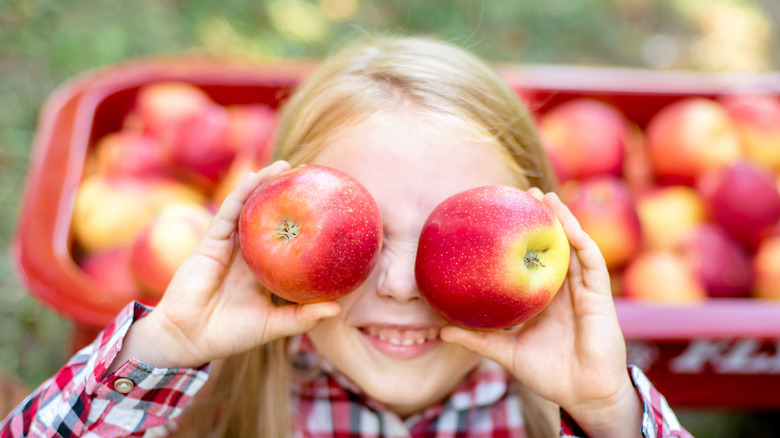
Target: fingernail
328	311
536	193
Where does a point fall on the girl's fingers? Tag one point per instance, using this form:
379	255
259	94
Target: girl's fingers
587	250
496	346
225	221
293	319
218	243
536	193
239	275
580	241
575	270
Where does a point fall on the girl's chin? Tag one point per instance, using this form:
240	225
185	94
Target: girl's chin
412	394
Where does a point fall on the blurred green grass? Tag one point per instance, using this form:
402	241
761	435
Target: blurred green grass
43	43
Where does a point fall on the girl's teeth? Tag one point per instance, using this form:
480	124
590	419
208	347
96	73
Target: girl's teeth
402	337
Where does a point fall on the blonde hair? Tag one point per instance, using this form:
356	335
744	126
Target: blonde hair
248	395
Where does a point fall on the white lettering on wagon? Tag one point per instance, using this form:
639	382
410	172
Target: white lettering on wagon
642	354
743	356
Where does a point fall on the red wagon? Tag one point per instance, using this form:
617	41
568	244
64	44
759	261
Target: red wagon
720	353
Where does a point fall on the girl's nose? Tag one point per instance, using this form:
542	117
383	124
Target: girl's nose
396	278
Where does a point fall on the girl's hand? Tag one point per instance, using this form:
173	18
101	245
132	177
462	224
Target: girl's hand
572	353
214	306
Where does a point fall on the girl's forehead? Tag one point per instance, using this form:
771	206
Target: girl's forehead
400	158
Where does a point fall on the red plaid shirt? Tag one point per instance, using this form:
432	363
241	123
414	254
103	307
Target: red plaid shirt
80	401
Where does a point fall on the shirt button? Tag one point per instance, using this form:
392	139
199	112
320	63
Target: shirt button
123	385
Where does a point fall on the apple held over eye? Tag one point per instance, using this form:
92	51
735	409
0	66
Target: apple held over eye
311	234
491	257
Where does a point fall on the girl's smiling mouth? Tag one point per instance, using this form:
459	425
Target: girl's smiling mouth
400	342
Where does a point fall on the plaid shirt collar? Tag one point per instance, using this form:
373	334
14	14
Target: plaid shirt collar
484	386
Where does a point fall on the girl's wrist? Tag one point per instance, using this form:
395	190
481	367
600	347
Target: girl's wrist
152	341
619	416
171	347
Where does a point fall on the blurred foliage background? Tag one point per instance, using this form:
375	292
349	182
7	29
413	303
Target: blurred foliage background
44	43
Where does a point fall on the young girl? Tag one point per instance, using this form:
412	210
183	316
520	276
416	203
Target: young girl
414	121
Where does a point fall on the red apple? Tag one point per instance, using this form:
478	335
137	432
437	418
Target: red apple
251	130
241	165
766	266
661	277
722	263
162	246
109	211
584	137
637	168
757	120
605	210
491	257
161	106
199	147
690	137
130	153
110	269
311	234
667	214
743	198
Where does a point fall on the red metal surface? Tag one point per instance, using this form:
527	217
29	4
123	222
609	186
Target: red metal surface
720	353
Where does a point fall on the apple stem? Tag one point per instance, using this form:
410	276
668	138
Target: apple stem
287	231
532	259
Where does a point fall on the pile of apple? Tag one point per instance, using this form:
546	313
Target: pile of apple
151	188
684	208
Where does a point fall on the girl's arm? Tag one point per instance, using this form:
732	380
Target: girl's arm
83	400
573	353
147	365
